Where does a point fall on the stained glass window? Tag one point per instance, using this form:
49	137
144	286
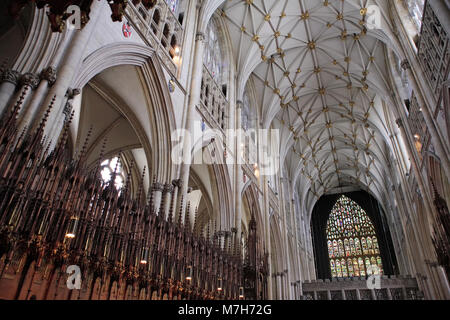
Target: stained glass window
213	53
344	268
108	167
173	5
333	268
352	243
356	267
415	8
330	249
338	269
350	267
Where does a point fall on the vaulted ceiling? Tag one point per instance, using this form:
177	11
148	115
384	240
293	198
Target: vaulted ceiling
321	77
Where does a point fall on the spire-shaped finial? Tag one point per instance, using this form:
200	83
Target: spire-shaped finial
171	208
187	219
86	143
435	191
19	103
195	220
215	237
46	114
180	214
141	186
150	197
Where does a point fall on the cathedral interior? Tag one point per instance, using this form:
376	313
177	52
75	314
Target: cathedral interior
224	150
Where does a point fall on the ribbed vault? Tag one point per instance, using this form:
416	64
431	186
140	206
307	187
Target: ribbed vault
321	78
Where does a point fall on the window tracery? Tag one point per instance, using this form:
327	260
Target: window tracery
108	167
213	55
352	243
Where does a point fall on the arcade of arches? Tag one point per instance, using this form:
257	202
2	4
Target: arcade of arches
242	149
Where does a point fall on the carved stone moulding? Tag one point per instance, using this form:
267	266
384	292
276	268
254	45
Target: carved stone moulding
10	76
30	80
49	74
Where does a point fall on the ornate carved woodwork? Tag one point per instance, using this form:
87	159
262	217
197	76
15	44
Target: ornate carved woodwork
441	239
59	10
54	213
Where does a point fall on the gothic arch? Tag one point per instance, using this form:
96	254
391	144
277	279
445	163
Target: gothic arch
212	151
159	108
250	194
33	45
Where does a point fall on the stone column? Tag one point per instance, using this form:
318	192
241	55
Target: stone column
9	80
69	67
274	287
29	81
358	294
194	100
281	198
238	172
48	78
167	193
266	212
176	186
344	296
389	294
300	288
157	189
405	294
294	289
445	285
280	285
374	296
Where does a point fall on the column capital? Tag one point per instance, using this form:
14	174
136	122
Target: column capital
432	264
158	186
11	76
72	93
49	74
168	188
177	183
239	104
200	36
30	79
399	122
405	64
